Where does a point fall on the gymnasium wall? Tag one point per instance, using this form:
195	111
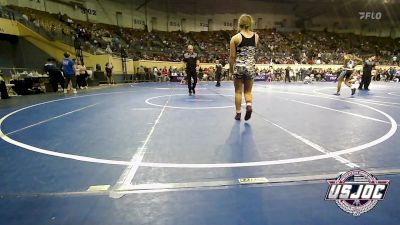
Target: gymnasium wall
8	27
7	54
19	53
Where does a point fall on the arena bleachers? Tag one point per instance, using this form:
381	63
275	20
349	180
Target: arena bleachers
306	47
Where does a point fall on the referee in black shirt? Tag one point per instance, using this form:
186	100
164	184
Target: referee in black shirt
218	72
368	66
192	62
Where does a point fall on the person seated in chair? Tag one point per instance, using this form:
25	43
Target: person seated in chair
54	74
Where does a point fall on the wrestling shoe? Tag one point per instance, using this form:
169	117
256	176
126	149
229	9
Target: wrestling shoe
249	110
238	115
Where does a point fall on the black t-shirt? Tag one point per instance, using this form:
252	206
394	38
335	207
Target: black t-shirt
218	68
50	68
368	66
191	60
287	72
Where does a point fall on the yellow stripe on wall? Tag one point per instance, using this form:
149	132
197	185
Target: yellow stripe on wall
9	27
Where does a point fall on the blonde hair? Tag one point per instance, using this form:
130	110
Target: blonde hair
245	22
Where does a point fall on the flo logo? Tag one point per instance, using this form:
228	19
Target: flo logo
356	191
370	15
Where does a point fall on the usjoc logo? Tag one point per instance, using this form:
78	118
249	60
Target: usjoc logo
356	191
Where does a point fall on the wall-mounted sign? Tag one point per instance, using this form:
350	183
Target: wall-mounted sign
92	12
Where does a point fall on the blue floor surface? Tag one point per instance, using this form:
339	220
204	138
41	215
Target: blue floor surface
168	137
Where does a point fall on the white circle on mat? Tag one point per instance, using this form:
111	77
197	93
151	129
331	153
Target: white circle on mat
386	136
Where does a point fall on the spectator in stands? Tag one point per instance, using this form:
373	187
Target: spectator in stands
53	29
80	72
155	74
80	31
108	50
397	76
141	73
63	32
67	66
70	21
309	47
392	73
36	22
170	71
26	18
165	74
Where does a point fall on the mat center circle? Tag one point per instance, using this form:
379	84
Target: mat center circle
198	101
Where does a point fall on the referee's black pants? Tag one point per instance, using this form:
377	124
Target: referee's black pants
218	77
191	74
365	81
287	78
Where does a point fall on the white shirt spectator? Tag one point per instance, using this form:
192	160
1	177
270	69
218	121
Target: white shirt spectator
36	23
25	17
108	49
155	71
